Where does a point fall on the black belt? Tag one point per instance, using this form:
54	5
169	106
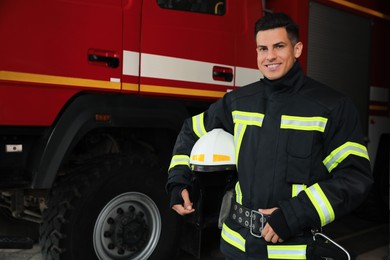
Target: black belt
252	219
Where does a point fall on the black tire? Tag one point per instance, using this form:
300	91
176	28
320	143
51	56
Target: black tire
114	209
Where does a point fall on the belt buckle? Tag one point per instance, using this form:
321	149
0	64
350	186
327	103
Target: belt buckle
252	225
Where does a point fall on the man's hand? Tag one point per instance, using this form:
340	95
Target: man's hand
268	233
186	208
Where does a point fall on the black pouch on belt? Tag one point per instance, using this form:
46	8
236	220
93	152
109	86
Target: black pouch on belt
323	248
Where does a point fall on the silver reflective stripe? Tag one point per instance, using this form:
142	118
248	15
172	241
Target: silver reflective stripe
315	123
286	251
198	125
179	160
342	152
248	118
239	130
232	237
297	188
321	203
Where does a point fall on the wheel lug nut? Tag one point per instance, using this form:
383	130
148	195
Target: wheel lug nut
131	208
119	211
107	234
121	251
111	246
110	221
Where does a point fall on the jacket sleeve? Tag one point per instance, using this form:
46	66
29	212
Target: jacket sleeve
217	116
349	174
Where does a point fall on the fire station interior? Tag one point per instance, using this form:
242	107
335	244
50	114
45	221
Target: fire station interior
365	232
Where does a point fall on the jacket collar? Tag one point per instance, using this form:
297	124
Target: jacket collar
288	84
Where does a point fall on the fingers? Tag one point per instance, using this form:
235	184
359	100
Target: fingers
269	235
186	197
267	211
186	208
181	210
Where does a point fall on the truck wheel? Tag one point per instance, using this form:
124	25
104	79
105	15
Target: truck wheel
115	209
129	226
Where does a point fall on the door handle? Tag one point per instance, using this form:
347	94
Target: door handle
101	57
222	73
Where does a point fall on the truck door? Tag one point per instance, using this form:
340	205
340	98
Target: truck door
187	50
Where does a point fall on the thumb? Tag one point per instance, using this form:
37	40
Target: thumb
186	198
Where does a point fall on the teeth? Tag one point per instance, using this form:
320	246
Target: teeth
272	66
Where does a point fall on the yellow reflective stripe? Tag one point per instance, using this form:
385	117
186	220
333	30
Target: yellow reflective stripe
342	152
232	237
58	80
221	158
248	118
297	188
321	203
314	123
198	125
286	251
238	193
198	157
239	130
179	160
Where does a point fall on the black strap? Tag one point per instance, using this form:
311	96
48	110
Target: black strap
252	219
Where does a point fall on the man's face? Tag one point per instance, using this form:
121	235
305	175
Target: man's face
275	52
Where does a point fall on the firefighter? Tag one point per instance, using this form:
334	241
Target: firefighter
300	154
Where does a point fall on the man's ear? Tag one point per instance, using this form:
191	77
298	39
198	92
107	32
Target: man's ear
298	49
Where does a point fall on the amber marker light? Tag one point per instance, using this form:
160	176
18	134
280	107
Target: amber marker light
103	117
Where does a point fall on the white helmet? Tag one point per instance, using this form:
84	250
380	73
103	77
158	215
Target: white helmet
214	151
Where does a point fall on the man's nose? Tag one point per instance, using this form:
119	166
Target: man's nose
271	55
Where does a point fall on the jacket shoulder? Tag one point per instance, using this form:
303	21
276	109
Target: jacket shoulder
254	88
322	94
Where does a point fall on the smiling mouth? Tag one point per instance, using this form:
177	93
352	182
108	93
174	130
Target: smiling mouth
273	66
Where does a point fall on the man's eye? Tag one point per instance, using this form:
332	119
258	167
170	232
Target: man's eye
262	49
279	46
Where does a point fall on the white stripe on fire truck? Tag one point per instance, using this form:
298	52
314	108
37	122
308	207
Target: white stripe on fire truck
130	63
245	76
379	94
165	67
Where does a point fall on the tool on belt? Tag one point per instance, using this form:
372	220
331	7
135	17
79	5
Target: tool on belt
324	248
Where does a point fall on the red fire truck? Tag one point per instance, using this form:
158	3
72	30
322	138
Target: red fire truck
93	94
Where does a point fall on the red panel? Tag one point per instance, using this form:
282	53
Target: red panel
132	24
189	35
26	105
251	11
54	38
